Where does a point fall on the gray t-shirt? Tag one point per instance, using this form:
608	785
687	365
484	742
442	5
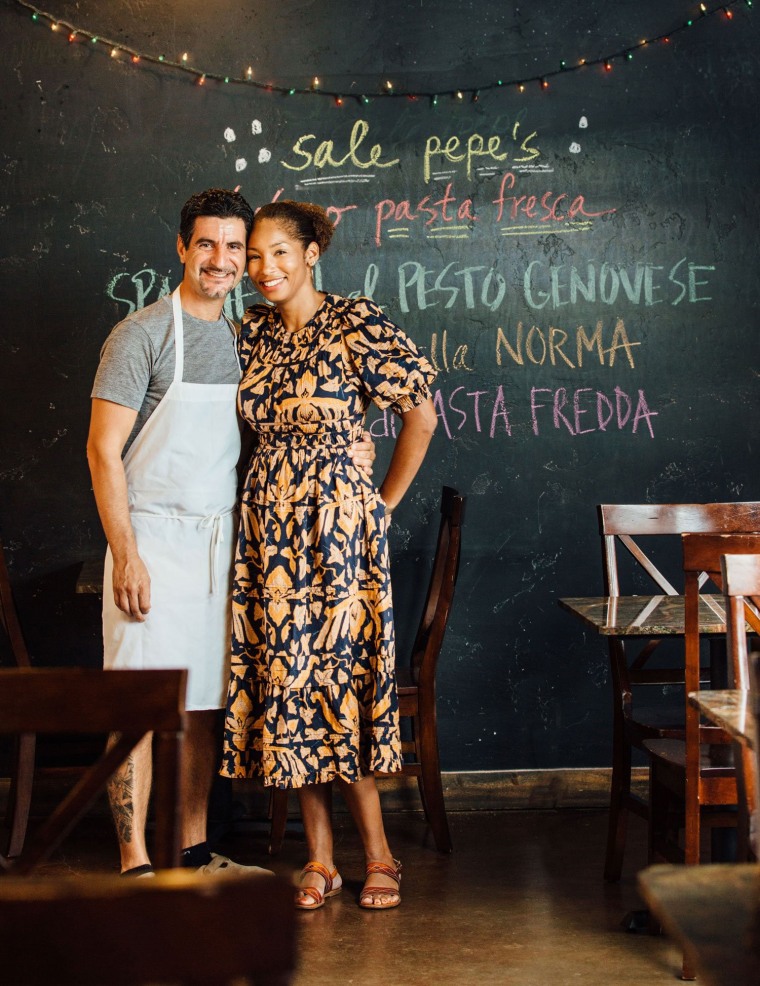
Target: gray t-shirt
137	359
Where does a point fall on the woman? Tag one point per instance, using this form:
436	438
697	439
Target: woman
312	695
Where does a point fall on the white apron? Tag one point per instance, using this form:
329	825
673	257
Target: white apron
182	484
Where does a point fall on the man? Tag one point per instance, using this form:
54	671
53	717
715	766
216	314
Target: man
163	448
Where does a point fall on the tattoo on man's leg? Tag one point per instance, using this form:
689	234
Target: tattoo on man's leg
121	797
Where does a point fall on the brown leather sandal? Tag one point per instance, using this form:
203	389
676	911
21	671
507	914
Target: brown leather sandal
394	872
316	898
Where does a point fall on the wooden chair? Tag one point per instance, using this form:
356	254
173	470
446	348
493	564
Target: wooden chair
30	757
696	769
24	746
178	927
75	701
695	774
741	584
416	683
624	525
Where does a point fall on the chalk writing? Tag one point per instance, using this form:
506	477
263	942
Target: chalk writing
536	346
449	211
493	413
550	207
455	150
588	410
324	156
467	284
139	289
445	209
546	284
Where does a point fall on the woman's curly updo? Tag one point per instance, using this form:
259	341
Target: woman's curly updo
304	221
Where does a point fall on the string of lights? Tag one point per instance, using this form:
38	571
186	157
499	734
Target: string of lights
78	35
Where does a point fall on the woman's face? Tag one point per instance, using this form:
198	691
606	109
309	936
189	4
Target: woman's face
278	265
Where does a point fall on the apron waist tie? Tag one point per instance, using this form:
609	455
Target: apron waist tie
214	521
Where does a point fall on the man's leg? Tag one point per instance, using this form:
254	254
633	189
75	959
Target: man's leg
199	765
128	794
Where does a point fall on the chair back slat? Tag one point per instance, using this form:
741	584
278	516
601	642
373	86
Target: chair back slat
9	617
624	522
440	591
679	518
702	556
648	565
741	583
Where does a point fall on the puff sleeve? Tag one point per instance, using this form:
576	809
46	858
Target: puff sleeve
250	325
393	372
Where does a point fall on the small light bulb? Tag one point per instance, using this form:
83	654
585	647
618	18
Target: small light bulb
114	52
184	56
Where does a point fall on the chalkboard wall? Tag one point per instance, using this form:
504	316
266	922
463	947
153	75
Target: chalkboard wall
580	261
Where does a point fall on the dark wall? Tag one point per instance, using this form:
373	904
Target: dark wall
586	281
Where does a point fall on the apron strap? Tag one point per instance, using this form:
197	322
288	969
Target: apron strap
179	337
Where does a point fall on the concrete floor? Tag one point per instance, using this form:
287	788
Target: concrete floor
520	902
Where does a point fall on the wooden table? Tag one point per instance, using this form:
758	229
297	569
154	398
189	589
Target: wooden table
644	616
713	912
655	616
730	709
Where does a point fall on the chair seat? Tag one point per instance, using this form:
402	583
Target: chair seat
673	753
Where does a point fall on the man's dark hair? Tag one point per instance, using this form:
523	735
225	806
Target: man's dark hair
220	203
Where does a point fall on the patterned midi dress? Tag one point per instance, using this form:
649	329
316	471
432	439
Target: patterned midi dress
312	689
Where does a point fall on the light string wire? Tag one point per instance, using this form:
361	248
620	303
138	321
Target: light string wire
387	89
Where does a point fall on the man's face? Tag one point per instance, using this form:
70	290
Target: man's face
215	258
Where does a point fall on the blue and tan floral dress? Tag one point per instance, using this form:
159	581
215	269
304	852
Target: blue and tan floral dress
312	692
